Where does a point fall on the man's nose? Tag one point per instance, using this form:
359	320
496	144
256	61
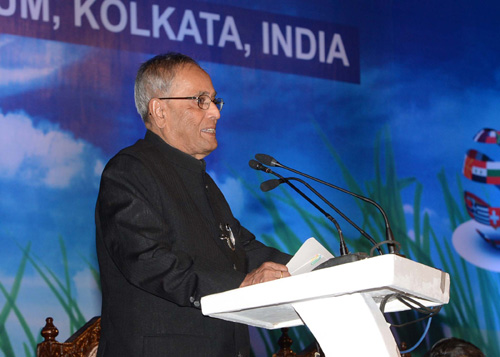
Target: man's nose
214	111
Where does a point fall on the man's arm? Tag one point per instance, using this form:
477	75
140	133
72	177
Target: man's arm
135	235
264	263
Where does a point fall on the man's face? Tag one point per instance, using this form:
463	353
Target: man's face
189	128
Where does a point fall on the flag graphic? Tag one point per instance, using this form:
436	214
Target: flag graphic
480	168
481	211
488	136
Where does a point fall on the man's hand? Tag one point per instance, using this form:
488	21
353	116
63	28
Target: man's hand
266	272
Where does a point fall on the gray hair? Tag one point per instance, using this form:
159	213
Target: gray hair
155	76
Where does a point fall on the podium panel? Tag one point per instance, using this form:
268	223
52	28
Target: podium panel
348	325
327	300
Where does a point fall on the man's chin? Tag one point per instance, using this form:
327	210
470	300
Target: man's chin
213	148
210	148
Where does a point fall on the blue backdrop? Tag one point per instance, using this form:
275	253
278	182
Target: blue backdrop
381	97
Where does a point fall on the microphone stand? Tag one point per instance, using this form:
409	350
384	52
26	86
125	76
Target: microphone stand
344	258
345	255
271	184
268	160
360	230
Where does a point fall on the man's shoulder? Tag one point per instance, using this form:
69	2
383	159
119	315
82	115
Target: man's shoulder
140	154
141	149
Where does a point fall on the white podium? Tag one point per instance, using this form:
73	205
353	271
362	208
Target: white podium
339	305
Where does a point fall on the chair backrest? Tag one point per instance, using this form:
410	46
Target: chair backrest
83	343
285	343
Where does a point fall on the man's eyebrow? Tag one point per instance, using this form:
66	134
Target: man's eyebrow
207	93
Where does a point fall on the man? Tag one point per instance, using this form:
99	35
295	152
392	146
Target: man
165	234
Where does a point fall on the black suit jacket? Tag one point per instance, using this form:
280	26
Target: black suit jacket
159	249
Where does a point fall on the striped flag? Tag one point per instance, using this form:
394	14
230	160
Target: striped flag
488	136
480	168
480	211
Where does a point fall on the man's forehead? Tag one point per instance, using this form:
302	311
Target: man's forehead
194	77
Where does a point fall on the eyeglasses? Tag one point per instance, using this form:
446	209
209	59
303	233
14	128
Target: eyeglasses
203	101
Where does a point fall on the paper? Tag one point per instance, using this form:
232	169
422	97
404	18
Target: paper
309	256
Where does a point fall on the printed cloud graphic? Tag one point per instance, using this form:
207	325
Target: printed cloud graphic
24	67
11	76
23	72
40	156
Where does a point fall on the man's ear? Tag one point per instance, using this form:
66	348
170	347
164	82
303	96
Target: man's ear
157	113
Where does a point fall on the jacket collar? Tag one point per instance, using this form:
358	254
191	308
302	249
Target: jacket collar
174	155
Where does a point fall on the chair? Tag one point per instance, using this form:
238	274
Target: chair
83	343
285	343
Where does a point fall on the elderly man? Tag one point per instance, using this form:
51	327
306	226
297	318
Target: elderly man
165	233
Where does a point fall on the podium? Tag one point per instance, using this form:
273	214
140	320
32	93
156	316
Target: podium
339	305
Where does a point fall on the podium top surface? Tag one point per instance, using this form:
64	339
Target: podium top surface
269	305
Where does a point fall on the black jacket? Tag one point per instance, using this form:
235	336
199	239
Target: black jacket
160	250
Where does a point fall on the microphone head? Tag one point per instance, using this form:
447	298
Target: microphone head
270	184
255	165
266	160
258	166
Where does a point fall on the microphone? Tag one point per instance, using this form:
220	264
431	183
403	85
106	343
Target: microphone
271	184
268	160
258	166
271	161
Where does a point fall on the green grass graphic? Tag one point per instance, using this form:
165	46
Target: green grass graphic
472	313
474	292
59	286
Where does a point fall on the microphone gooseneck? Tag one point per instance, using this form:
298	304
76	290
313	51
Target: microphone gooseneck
269	160
359	229
272	184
